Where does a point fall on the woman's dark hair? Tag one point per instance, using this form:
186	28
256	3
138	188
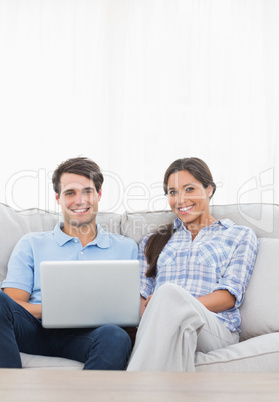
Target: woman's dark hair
155	244
197	167
81	166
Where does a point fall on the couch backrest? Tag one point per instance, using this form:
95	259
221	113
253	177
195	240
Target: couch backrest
262	218
259	313
14	224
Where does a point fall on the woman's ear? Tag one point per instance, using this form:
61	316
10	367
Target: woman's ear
210	191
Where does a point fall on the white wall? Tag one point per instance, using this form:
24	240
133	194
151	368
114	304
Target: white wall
134	85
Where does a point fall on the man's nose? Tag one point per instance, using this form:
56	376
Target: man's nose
79	198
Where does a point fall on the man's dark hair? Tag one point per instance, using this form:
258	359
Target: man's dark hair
82	166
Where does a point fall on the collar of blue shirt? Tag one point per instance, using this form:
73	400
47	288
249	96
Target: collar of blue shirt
101	240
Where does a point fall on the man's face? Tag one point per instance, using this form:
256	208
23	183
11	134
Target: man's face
78	200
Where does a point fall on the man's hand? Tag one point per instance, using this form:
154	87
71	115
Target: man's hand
21	297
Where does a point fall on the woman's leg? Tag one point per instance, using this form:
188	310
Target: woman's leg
175	325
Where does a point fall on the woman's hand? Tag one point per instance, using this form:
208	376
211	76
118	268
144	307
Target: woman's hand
143	304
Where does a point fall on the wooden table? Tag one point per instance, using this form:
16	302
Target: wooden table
68	385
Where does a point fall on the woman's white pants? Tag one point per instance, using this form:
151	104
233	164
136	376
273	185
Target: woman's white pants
173	327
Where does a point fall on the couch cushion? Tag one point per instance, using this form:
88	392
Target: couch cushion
259	313
260	354
32	361
137	224
259	217
14	224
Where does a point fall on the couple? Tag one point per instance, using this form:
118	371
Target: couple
194	274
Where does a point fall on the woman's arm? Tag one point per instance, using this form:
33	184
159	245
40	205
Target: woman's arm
238	272
147	284
218	301
21	297
143	304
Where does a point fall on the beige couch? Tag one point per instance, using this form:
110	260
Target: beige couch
259	346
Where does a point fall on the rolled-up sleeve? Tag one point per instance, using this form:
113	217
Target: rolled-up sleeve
238	272
20	273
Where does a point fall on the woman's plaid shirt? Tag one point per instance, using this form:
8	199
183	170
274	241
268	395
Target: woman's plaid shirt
222	256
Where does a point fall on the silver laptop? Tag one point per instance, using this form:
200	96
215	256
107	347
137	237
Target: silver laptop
87	294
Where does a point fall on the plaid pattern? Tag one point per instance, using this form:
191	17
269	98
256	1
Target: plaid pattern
222	256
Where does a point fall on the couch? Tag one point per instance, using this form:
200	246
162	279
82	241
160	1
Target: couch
258	349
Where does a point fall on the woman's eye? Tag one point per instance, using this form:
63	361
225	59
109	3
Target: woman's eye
172	192
189	189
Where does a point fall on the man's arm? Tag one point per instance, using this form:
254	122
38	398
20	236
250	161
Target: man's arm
21	297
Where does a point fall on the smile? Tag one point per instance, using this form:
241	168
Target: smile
79	211
186	209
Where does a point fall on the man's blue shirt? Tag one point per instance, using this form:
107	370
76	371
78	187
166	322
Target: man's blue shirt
33	248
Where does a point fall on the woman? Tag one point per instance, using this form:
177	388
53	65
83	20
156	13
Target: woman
194	273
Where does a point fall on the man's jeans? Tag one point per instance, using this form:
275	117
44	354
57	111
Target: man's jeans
104	348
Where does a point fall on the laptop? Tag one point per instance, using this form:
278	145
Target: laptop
88	294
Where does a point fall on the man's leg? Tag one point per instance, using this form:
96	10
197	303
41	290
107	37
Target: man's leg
9	353
19	332
105	348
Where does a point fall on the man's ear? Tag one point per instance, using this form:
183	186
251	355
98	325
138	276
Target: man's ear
57	198
99	194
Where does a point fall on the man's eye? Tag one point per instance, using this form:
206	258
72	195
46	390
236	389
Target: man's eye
69	193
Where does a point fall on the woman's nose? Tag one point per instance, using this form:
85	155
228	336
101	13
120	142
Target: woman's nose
181	197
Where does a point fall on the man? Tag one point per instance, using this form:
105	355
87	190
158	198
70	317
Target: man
78	187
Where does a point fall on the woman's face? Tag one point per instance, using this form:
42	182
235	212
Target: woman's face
188	199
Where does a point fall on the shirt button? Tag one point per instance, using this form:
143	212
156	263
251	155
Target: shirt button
76	241
81	252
